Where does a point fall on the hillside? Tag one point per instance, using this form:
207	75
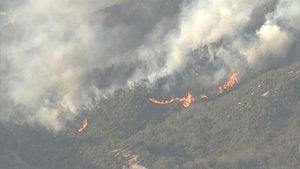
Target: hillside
256	125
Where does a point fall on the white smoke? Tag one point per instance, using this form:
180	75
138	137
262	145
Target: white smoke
51	47
58	56
275	37
207	22
201	23
271	41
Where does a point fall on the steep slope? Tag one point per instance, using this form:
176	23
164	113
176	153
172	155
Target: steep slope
256	125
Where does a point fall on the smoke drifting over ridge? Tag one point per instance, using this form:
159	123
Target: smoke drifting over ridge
57	57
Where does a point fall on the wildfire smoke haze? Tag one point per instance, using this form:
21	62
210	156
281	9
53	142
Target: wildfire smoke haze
57	57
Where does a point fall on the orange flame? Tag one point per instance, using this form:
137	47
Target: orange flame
231	82
189	99
84	126
185	101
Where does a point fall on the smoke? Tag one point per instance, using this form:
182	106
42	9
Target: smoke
271	40
276	36
57	57
233	37
205	22
47	49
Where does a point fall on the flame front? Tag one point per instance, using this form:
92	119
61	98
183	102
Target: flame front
231	82
185	101
84	126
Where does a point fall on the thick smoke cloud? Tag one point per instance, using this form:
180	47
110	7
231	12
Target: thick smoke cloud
46	50
234	36
277	34
58	56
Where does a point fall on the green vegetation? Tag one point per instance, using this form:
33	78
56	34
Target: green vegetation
254	126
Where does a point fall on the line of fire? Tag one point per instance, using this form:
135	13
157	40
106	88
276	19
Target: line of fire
186	101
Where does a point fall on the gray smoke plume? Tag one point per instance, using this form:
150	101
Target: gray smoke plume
56	57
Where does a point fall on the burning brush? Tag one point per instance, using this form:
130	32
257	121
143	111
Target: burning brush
185	101
230	83
83	126
189	99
